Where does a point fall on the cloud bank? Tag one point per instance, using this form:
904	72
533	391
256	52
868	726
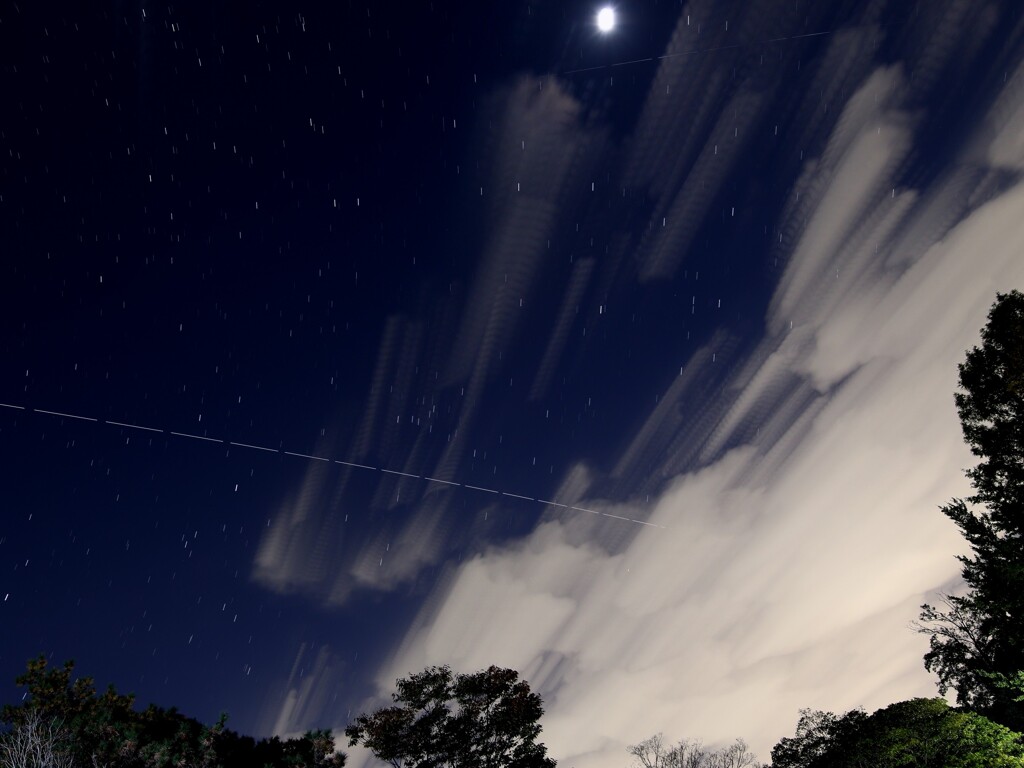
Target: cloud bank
791	565
800	508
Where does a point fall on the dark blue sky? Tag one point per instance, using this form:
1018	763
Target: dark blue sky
654	277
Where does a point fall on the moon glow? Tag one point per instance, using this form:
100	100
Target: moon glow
606	19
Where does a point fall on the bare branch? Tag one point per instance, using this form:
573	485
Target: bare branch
35	744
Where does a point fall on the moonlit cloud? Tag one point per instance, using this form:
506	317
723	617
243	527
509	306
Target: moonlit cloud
539	150
1006	148
790	567
799	504
582	270
289	558
311	688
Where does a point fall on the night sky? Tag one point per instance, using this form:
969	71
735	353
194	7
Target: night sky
339	340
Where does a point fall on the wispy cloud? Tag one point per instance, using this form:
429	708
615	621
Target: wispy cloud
791	566
799	505
538	149
311	689
582	270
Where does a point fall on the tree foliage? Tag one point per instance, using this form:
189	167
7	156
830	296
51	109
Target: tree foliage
919	732
105	730
817	733
977	641
991	409
488	719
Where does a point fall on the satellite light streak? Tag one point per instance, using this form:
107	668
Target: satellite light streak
66	415
135	426
186	434
305	456
467	486
240	445
694	51
403	474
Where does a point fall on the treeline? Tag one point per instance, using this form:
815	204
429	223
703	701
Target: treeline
491	719
66	724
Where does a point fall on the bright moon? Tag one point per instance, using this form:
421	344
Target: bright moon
606	19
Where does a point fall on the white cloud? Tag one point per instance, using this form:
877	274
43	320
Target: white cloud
790	568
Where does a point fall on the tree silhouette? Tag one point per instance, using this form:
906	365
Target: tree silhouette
977	640
79	727
488	719
655	752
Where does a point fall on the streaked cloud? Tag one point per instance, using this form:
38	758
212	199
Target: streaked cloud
799	503
538	148
312	688
791	565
